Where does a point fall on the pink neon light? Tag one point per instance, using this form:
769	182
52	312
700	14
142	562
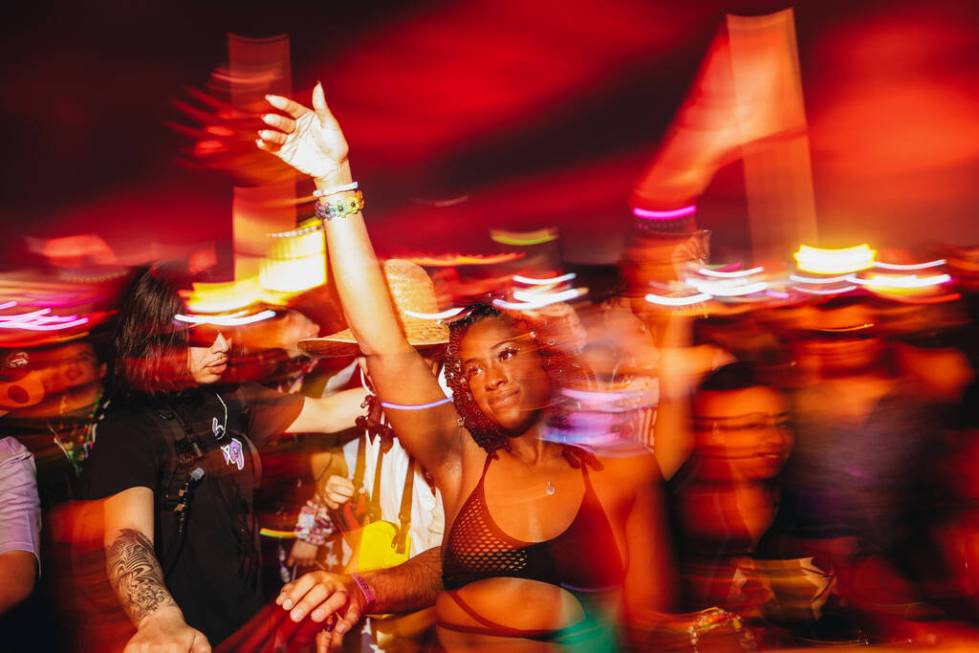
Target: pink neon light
664	215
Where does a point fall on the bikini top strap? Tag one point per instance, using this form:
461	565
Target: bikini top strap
489	458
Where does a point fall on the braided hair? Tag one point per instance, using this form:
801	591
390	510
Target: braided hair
560	367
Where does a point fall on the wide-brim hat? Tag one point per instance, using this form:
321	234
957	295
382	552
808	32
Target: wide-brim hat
413	294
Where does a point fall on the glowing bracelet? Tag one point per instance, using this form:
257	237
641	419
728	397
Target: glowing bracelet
336	189
432	404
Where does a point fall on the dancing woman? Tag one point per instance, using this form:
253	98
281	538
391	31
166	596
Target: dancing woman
546	544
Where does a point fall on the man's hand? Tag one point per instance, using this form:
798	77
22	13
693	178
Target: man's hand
309	140
336	491
303	554
165	631
331	599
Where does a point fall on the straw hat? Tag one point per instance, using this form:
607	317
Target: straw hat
412	291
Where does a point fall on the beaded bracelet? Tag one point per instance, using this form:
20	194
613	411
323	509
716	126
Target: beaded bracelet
340	205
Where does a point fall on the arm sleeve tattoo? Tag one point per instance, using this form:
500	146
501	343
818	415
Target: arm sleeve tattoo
136	575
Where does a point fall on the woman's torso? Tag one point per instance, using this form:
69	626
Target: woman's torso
531	554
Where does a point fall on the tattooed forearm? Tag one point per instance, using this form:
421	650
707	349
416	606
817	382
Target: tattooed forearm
136	575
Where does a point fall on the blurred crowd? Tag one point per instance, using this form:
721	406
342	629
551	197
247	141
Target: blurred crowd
494	452
816	450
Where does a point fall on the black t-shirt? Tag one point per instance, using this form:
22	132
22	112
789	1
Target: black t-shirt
212	569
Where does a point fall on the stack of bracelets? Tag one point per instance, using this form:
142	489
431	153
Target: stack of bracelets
339	201
314	524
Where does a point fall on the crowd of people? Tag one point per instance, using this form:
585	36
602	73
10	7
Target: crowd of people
553	469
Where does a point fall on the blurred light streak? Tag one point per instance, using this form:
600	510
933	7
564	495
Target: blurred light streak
452	260
910	266
734	274
519	278
295	261
902	282
444	315
225	296
531	301
40	320
727	289
537	296
431	404
689	300
819	280
827	291
665	215
523	239
819	260
235	319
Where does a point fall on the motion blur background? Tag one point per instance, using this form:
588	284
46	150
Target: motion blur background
539	113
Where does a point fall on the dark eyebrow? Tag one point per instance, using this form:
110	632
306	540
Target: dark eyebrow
509	340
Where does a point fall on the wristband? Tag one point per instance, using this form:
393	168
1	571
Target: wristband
326	192
366	590
340	205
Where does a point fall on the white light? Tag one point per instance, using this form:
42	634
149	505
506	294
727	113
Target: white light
234	319
530	301
531	281
801	279
688	300
35	326
727	288
910	266
735	274
7	305
907	281
444	315
827	291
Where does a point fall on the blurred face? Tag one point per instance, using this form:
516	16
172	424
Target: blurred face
505	374
839	346
67	367
207	364
742	434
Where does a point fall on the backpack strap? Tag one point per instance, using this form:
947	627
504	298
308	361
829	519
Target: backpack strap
404	516
374	507
174	495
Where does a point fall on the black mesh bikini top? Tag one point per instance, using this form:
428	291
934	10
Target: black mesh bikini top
584	558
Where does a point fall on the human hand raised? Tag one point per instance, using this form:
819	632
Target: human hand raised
309	140
330	599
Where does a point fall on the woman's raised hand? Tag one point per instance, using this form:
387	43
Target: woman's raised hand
309	140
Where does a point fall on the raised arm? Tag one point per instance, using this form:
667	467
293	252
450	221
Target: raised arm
137	578
311	141
329	414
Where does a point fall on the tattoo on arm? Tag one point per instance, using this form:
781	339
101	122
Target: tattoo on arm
136	575
412	585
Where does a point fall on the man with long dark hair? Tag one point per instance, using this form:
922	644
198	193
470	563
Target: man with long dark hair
176	463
